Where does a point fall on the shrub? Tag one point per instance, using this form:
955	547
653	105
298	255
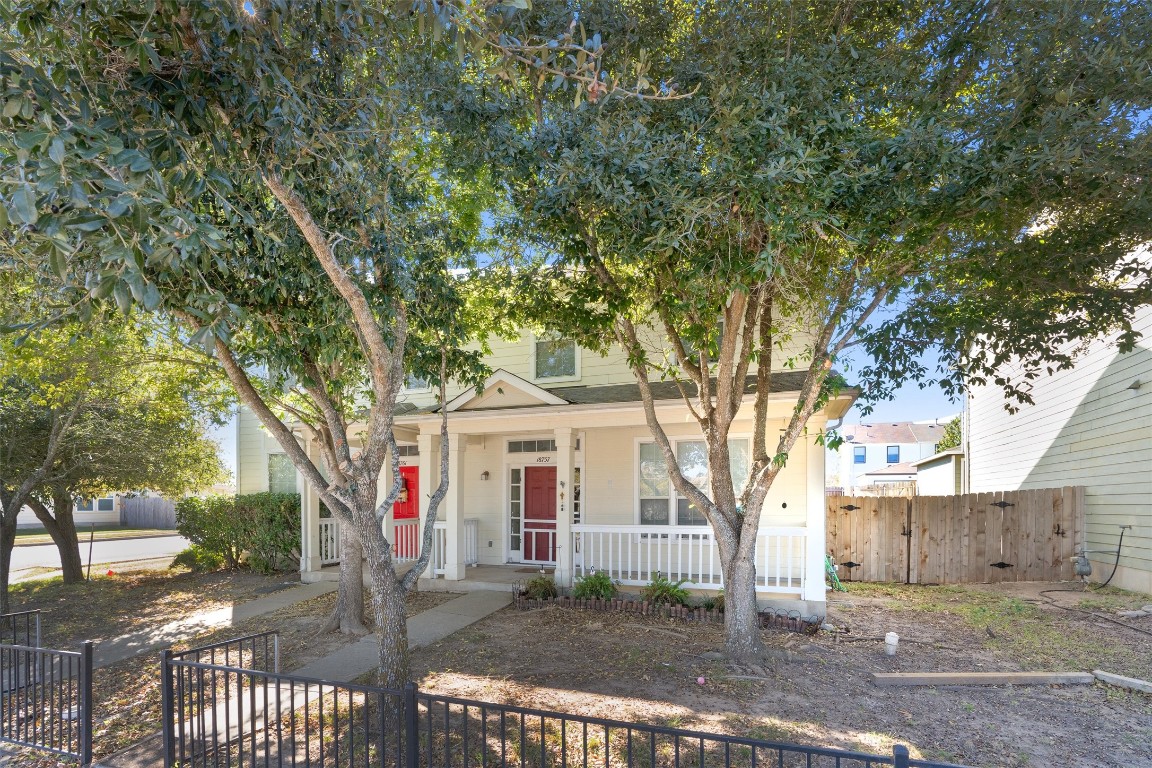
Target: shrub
198	559
661	590
211	524
714	602
596	585
540	588
265	526
270	528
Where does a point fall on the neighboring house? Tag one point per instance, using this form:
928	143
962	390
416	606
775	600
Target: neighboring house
1089	426
941	474
102	511
553	465
869	450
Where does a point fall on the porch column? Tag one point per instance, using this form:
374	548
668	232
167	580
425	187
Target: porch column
383	486
814	549
453	513
426	444
310	560
565	483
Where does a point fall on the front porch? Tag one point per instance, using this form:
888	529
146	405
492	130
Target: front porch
631	555
570	479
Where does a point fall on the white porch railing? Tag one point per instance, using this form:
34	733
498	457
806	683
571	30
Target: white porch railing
329	541
406	545
439	558
632	554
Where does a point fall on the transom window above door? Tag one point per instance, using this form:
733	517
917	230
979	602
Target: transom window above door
555	358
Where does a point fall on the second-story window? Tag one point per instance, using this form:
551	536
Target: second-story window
893	454
555	358
414	383
859	454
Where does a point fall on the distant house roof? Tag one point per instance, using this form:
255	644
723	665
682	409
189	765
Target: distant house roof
939	456
903	468
892	433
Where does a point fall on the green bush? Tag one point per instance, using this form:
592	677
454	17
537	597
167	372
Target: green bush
211	523
661	590
198	559
540	588
714	602
263	526
595	585
270	524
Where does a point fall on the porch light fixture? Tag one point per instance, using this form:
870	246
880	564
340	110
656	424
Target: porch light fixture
484	475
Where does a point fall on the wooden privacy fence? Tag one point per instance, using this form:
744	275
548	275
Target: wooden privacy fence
974	538
148	512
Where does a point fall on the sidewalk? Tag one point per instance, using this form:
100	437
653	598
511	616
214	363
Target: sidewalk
348	663
133	644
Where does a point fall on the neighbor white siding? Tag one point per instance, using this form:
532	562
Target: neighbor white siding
1088	427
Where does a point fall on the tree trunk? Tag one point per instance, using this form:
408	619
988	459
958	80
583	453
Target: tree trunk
391	623
7	542
61	526
348	616
742	641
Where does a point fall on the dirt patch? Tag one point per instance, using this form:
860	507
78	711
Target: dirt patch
109	606
127	694
818	691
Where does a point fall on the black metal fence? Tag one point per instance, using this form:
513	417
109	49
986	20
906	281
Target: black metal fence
45	694
239	714
22	628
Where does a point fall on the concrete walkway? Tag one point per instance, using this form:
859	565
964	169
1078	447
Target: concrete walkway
350	662
135	643
425	628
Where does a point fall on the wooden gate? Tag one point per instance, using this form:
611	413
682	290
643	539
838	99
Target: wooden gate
975	538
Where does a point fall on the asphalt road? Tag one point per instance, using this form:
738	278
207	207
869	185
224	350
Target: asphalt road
119	551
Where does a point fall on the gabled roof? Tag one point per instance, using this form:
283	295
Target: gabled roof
903	468
503	390
942	455
892	433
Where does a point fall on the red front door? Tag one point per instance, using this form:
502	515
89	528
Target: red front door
540	514
407	508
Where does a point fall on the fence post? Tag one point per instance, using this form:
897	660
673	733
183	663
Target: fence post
86	703
899	756
411	727
167	708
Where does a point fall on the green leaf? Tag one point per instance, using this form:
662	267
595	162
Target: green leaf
56	150
12	107
24	202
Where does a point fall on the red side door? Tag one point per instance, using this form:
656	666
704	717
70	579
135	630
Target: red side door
540	514
407	508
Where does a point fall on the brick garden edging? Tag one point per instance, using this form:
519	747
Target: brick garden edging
791	621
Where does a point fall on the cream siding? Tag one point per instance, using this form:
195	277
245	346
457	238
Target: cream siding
1088	427
253	444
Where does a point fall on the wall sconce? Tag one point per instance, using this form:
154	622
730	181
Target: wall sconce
484	475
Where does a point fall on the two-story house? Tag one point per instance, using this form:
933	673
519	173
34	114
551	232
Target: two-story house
879	452
552	466
1090	426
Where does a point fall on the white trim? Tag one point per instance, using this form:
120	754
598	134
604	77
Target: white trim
944	454
520	461
673	494
533	339
501	376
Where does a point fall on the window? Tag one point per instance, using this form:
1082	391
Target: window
657	496
555	358
893	454
859	454
84	505
532	446
281	474
407	450
514	510
414	383
105	505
